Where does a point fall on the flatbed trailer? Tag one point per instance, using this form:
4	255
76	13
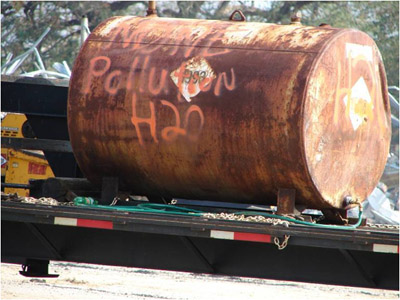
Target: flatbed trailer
365	257
34	234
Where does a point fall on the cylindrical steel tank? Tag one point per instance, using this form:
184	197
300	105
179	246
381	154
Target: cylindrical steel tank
230	111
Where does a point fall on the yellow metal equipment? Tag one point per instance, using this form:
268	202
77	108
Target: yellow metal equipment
23	165
11	125
19	166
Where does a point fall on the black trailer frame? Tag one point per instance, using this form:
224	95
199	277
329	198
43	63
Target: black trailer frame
34	234
365	257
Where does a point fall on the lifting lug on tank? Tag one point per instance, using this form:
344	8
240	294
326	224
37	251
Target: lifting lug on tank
296	18
151	10
241	16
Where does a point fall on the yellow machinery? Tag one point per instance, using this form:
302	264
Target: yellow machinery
19	166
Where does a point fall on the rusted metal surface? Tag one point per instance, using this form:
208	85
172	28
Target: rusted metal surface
296	18
151	10
347	136
230	111
286	201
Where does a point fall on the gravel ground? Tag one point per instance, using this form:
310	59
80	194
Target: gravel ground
84	281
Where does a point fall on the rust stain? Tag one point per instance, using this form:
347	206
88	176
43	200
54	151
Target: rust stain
111	24
239	34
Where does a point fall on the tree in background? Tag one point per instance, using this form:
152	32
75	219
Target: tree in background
24	21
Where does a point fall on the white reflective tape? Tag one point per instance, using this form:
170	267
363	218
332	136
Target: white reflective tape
65	221
385	248
226	235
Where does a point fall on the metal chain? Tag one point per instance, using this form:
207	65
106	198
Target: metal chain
383	226
258	219
31	200
284	243
42	200
273	221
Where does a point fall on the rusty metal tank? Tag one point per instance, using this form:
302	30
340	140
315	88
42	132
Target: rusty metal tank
230	111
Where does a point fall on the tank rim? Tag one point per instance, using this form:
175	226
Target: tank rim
310	75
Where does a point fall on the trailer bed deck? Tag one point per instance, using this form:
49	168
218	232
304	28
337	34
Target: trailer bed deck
365	257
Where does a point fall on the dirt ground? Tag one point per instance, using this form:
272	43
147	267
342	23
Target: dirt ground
85	281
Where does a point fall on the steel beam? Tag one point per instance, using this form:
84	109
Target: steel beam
37	144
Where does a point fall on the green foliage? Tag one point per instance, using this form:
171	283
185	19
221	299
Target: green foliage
24	21
378	19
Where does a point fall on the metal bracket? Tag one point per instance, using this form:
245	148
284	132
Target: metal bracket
37	268
286	201
339	216
109	190
335	216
